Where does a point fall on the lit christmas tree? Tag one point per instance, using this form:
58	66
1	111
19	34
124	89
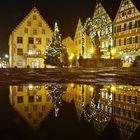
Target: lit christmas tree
55	49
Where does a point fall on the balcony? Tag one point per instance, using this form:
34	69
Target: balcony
34	55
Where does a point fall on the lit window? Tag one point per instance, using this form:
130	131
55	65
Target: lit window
106	43
103	45
30	87
30	52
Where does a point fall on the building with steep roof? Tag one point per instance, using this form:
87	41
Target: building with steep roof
127	31
82	47
28	41
103	28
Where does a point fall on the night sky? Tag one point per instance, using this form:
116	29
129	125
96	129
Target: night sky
65	12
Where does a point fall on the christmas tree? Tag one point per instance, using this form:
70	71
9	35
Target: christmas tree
55	49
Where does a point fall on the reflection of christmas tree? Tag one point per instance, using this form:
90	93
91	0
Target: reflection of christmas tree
55	93
55	49
93	111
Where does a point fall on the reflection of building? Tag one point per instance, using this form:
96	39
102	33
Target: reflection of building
103	28
126	109
97	103
68	97
28	41
121	103
127	31
31	103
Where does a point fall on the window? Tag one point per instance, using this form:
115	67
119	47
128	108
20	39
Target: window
124	27
19	51
28	23
31	99
20	88
138	23
130	40
124	41
40	24
20	99
34	32
43	31
126	2
19	39
130	25
34	17
31	40
79	41
26	30
119	42
38	41
136	39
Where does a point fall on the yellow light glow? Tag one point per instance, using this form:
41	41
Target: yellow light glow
113	51
91	88
91	51
71	56
85	56
72	85
113	88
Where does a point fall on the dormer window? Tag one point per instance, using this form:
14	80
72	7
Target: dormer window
34	17
28	23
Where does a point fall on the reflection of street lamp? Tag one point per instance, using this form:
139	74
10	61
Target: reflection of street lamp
6	56
113	52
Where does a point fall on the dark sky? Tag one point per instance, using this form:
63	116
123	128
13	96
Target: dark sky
65	12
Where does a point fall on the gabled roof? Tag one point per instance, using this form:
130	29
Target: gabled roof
111	7
78	24
34	9
99	3
133	2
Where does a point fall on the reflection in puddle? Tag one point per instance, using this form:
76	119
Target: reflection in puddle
98	104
